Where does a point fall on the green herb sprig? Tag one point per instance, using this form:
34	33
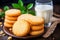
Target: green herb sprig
24	9
2	14
6	8
19	5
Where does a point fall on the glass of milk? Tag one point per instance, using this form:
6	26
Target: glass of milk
44	8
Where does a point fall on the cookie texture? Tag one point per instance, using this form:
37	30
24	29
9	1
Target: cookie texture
38	27
7	24
13	12
11	18
21	28
34	20
34	33
10	21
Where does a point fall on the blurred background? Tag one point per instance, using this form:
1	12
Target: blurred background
8	2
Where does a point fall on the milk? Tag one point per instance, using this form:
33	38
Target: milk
45	11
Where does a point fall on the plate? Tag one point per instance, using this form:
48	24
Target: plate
11	34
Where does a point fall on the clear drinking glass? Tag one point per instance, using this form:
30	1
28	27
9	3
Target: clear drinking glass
44	8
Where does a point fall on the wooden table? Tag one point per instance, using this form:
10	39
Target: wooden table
54	36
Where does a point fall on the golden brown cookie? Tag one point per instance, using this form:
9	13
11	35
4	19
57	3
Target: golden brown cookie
21	28
34	33
7	24
38	27
10	21
13	12
34	20
11	18
24	17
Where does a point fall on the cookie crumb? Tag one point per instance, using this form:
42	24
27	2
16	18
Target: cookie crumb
9	38
1	32
0	23
10	29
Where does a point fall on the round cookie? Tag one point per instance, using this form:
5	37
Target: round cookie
10	21
34	33
13	12
7	24
21	28
11	18
34	20
24	17
38	27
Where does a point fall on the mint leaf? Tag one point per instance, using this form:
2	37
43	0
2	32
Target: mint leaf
23	12
6	8
15	5
2	14
31	12
29	6
20	3
22	8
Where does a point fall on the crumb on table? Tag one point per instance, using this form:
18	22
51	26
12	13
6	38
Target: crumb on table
9	38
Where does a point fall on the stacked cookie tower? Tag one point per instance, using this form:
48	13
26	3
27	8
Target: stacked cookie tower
11	17
28	24
37	29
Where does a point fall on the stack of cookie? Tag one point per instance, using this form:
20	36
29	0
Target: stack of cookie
11	17
37	29
28	24
36	23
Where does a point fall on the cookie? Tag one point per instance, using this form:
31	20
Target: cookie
34	33
38	27
21	28
7	24
34	20
13	12
11	18
24	17
10	21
